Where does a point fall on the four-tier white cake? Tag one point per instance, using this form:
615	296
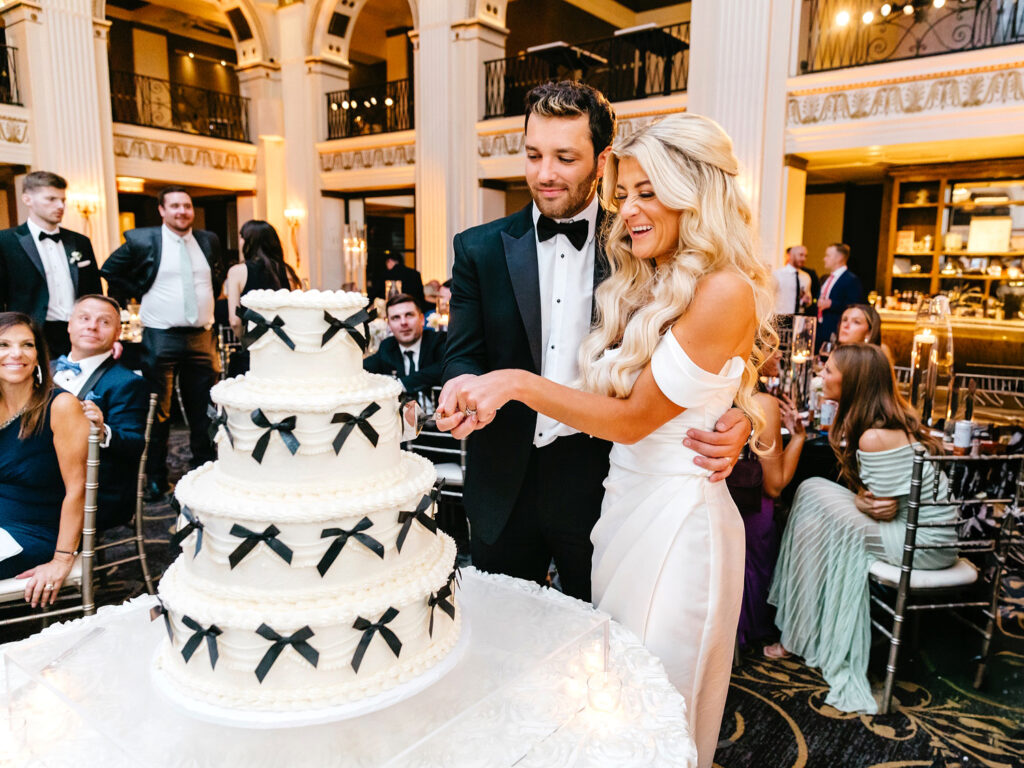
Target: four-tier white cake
312	573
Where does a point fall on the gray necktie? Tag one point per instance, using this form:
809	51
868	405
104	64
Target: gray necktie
188	286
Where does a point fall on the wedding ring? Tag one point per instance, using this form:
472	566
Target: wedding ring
470	411
48	586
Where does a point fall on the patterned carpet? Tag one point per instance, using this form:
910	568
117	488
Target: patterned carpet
776	716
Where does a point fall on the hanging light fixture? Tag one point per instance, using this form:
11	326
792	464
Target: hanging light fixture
885	10
842	18
908	9
868	17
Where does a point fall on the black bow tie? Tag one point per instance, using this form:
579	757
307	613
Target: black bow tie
55	236
576	231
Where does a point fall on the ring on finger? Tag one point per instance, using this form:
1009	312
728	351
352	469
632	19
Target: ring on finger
48	586
470	411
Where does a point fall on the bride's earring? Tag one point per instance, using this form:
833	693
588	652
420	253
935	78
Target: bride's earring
39	374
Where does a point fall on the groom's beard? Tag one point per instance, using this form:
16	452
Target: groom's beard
575	202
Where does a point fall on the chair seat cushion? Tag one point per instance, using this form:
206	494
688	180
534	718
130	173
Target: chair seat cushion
12	589
960	574
450	472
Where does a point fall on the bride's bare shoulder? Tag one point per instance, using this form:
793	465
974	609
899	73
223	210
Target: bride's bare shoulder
723	285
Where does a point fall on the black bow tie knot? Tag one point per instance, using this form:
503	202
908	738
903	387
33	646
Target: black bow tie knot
576	231
55	236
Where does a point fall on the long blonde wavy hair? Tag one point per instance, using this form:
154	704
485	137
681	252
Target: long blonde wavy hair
691	166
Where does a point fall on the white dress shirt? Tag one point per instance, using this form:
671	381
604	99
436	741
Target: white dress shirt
566	303
785	288
163	306
58	274
73	382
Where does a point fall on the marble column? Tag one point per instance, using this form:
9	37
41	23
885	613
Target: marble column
740	57
65	83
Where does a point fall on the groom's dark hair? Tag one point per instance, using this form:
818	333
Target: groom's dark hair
569	98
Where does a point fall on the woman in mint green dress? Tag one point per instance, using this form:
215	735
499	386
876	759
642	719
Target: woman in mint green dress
821	579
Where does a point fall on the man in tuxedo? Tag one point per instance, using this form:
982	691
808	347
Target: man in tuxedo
414	354
44	267
792	284
522	297
396	271
113	398
178	272
838	291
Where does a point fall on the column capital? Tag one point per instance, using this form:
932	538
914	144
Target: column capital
21	11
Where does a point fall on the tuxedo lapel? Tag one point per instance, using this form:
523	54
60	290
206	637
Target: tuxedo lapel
521	258
94	379
29	246
65	240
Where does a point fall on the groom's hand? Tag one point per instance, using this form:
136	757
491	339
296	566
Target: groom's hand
720	449
448	417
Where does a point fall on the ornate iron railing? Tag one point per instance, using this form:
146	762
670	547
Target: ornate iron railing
853	33
635	64
156	103
372	109
9	93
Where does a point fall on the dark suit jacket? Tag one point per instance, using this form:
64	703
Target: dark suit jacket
389	360
23	280
496	323
124	399
845	291
132	268
412	284
812	308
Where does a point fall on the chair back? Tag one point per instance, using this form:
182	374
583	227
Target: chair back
88	551
140	483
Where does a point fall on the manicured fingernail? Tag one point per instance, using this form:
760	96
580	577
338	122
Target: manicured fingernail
688	443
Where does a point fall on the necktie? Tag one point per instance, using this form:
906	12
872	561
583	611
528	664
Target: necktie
188	286
412	361
576	231
64	364
55	236
824	295
796	301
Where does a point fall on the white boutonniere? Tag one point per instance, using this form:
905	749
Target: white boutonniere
75	257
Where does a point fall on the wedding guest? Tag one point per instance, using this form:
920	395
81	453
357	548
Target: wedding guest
840	289
112	397
412	353
820	586
860	324
523	298
43	266
798	258
262	268
405	279
43	448
793	285
178	271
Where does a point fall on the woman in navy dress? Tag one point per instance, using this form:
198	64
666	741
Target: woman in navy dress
43	447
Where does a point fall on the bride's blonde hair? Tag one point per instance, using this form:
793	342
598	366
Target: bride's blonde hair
690	163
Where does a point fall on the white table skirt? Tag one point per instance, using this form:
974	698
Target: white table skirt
529	722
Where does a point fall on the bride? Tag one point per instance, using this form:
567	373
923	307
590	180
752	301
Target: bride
683	322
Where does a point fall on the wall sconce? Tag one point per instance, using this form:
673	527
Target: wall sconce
294	217
86	204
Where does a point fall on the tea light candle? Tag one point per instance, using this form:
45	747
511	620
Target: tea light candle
604	690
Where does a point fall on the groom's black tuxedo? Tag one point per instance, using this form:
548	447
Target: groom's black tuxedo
496	323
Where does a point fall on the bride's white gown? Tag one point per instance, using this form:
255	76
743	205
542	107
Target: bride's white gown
669	547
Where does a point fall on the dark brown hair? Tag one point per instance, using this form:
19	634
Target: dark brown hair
35	412
40	179
869	399
874	322
171	190
261	244
400	298
569	98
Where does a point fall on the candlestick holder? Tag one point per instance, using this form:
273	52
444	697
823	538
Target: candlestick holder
931	355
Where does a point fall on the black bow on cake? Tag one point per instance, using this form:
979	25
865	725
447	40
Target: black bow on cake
342	537
442	599
219	419
350	422
251	539
296	640
368	629
161	610
420	513
350	324
283	428
576	231
194	524
260	326
210	633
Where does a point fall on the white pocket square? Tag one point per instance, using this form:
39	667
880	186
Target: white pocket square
83	263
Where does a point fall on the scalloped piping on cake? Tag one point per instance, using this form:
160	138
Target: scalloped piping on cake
313	299
241	394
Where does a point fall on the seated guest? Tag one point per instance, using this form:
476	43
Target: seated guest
262	267
821	580
113	398
777	468
414	354
860	324
44	438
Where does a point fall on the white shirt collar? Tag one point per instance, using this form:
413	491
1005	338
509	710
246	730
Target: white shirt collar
35	229
589	214
414	347
838	272
173	235
91	363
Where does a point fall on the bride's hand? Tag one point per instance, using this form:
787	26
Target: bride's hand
481	396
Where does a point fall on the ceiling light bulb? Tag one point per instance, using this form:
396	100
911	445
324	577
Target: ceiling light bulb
373	100
842	18
885	10
223	63
191	55
344	105
868	17
389	101
938	3
334	106
908	9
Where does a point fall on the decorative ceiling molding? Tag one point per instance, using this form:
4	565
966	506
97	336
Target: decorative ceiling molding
242	160
13	130
368	157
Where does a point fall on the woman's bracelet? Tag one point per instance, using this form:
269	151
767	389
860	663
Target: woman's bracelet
63	552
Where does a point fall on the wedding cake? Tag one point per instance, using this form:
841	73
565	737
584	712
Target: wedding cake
312	573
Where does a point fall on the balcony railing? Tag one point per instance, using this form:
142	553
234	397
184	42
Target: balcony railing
372	109
853	33
9	93
156	103
633	64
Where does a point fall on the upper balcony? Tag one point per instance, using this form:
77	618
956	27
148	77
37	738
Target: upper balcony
635	63
384	108
854	33
149	101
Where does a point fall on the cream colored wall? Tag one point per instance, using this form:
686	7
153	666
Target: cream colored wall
823	225
150	51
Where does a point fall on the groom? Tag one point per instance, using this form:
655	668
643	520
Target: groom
522	297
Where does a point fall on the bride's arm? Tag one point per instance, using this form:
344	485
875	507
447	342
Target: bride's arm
708	336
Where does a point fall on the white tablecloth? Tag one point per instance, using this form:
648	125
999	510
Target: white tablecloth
530	722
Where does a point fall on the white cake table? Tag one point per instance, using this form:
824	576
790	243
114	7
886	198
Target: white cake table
80	693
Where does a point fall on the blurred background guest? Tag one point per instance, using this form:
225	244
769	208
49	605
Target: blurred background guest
820	586
838	291
44	267
412	353
861	324
403	279
262	267
792	284
43	448
112	397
